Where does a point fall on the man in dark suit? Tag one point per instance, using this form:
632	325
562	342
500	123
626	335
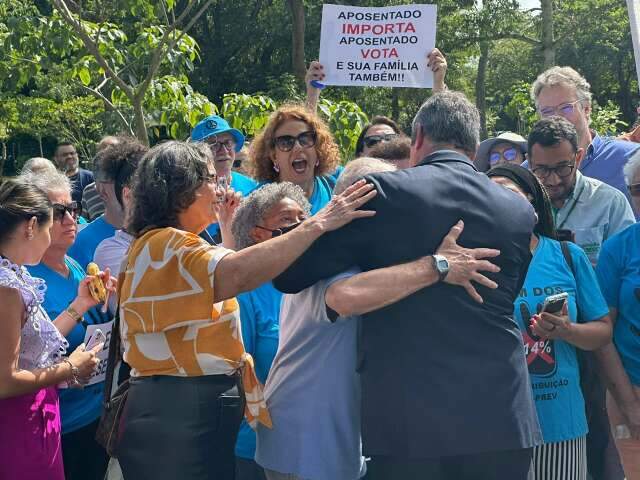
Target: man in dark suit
445	388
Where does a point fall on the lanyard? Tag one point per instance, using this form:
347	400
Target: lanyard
572	207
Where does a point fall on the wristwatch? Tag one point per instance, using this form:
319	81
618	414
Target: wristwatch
441	264
73	314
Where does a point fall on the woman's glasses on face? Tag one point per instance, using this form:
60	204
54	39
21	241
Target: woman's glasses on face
510	154
375	139
60	210
285	143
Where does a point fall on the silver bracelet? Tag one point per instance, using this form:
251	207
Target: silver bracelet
75	372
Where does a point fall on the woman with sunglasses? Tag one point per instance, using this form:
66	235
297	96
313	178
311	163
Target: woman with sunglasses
296	146
268	212
551	339
32	346
507	147
80	409
618	271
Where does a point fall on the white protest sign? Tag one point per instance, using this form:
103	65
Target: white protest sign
634	20
101	372
384	47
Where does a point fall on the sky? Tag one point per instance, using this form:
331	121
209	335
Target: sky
529	3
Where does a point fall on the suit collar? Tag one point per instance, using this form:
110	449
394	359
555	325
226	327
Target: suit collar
442	156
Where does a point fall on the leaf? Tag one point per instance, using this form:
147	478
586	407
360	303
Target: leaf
85	76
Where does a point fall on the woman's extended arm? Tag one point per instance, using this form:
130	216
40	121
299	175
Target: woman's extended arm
249	268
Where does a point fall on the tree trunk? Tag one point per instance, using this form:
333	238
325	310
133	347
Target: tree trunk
140	125
481	99
40	145
395	105
3	158
298	64
548	42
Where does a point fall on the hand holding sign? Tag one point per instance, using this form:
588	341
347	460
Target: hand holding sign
377	46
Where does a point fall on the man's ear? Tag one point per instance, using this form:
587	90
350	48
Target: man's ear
579	156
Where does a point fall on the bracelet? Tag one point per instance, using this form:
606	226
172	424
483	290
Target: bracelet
73	313
75	372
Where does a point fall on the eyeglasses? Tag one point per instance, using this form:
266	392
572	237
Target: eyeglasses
60	210
285	143
279	231
510	154
217	145
564	109
375	139
562	171
634	190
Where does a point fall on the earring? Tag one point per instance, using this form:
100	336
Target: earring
318	163
276	167
537	218
30	235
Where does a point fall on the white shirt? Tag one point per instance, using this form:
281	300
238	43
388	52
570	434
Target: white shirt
110	253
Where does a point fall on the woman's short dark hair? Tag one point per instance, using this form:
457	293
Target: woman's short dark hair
531	186
165	185
379	120
20	202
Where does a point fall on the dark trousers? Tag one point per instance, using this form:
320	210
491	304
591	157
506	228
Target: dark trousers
84	458
249	470
180	428
508	464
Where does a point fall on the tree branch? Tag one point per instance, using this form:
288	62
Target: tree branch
90	45
108	103
159	52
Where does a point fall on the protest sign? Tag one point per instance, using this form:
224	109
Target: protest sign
634	21
385	47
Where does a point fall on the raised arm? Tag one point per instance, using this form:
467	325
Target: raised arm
369	291
315	72
249	268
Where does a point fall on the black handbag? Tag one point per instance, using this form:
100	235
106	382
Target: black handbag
107	433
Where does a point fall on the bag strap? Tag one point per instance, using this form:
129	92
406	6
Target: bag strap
568	258
115	356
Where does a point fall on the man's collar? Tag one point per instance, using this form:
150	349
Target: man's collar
596	141
446	156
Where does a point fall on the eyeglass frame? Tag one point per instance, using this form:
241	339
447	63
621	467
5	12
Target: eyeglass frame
555	169
634	189
296	139
277	232
74	209
385	137
556	110
502	155
229	145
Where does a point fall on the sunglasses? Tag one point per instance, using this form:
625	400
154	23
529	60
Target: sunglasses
60	210
510	154
634	190
285	143
279	231
375	139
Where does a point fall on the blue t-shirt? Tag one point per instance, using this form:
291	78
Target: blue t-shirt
259	315
553	365
88	240
78	408
240	183
618	270
322	192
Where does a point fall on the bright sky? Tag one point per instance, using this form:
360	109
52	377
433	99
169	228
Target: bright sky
529	3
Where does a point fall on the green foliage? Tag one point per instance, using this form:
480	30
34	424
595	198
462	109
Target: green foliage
248	113
346	120
521	109
606	119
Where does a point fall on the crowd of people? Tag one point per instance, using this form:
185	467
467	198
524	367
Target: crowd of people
434	308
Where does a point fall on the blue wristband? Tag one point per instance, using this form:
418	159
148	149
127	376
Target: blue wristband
317	84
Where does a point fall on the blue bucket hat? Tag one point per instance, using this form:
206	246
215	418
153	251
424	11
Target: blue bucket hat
215	125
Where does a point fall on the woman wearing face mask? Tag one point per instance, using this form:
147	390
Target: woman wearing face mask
550	340
296	146
32	346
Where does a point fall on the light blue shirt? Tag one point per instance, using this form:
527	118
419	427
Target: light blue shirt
553	365
259	315
594	211
78	407
313	393
619	274
88	239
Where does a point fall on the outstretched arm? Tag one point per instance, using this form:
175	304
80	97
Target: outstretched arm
369	291
315	72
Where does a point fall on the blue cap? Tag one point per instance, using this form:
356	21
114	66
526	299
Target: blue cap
215	125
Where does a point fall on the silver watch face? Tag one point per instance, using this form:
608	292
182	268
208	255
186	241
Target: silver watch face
442	264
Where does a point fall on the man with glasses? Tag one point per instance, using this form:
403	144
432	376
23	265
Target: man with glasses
224	142
587	210
563	91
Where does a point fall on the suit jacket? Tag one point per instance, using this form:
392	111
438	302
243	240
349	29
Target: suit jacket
441	374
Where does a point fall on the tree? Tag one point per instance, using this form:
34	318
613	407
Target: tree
298	64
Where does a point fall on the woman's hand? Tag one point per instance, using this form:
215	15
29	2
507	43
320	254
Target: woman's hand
342	208
552	326
314	72
85	361
226	207
84	301
438	65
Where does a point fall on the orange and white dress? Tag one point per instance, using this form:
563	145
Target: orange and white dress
170	324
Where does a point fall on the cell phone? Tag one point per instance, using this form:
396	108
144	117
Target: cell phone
97	338
554	303
565	236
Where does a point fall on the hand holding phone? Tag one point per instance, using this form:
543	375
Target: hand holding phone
554	303
97	338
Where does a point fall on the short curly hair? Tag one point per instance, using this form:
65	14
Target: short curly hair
253	208
165	184
263	149
117	163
